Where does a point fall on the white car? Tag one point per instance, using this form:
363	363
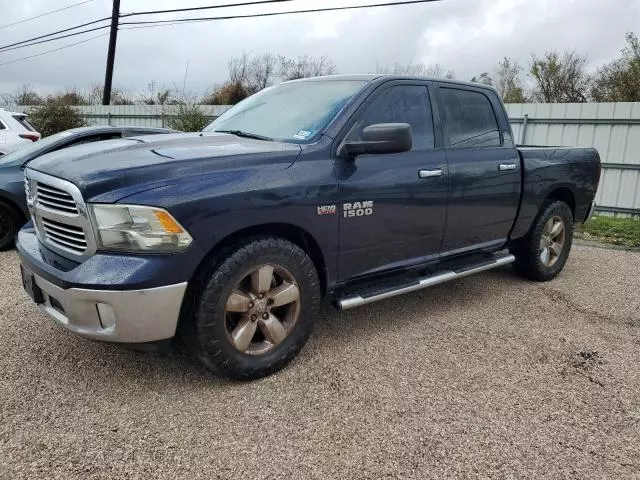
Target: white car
15	131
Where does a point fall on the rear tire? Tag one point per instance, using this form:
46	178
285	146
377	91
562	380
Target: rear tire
9	226
255	309
542	254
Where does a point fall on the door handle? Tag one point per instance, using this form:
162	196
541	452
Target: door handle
507	166
430	173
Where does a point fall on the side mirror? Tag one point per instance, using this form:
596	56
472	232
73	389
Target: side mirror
382	138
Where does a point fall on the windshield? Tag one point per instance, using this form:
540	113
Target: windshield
290	112
29	148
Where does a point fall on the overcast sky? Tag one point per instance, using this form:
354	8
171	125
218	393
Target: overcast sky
466	36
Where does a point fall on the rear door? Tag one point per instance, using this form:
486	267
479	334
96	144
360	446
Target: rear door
484	169
391	215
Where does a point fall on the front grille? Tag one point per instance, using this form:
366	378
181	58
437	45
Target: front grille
60	215
65	236
55	199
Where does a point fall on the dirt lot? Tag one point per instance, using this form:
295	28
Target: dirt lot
490	376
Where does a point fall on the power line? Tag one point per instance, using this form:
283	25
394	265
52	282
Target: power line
191	9
54	33
56	38
6	47
158	23
54	50
162	25
44	14
272	14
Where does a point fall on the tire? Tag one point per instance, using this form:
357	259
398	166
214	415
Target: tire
9	226
537	255
220	315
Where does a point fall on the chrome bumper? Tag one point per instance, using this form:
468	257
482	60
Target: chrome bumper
128	316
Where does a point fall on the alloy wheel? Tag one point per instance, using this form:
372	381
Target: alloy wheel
262	309
552	241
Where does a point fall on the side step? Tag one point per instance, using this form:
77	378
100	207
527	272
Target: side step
352	301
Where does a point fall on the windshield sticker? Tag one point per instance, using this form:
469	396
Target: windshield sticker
303	134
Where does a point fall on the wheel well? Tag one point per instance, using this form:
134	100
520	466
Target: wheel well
292	233
565	195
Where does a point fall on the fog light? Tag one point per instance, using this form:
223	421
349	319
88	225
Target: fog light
106	315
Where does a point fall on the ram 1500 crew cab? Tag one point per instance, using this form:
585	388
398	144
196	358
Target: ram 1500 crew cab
354	187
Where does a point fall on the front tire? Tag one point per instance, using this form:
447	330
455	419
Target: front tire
256	309
542	254
9	226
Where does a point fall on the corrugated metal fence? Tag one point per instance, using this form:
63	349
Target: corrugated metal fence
613	128
137	115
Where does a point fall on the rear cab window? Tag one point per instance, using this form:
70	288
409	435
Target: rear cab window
469	119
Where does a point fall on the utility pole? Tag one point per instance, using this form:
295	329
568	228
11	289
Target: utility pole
111	55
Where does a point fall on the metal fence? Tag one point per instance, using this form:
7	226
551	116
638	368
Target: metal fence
136	115
612	128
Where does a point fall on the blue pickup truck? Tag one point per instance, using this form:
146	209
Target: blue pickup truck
357	188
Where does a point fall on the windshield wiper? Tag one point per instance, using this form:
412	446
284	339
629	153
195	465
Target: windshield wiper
240	133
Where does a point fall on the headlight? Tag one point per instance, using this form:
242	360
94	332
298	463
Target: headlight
137	228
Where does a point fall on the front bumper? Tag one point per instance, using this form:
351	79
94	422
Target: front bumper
115	298
124	316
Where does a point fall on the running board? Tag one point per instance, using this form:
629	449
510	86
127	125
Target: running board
353	301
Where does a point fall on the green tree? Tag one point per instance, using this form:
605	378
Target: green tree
55	116
560	78
619	81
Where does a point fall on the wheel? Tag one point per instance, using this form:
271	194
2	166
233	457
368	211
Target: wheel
543	253
9	225
256	310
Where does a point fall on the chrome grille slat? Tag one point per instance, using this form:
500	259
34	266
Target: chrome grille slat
67	245
53	191
68	240
65	237
55	206
77	232
55	199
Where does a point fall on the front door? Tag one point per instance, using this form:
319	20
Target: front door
392	207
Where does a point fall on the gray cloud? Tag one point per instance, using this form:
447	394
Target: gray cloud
467	36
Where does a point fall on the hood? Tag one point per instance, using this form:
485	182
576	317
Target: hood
122	167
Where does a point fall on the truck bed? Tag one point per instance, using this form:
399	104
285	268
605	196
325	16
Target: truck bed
571	174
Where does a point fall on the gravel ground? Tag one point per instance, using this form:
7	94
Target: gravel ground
489	376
